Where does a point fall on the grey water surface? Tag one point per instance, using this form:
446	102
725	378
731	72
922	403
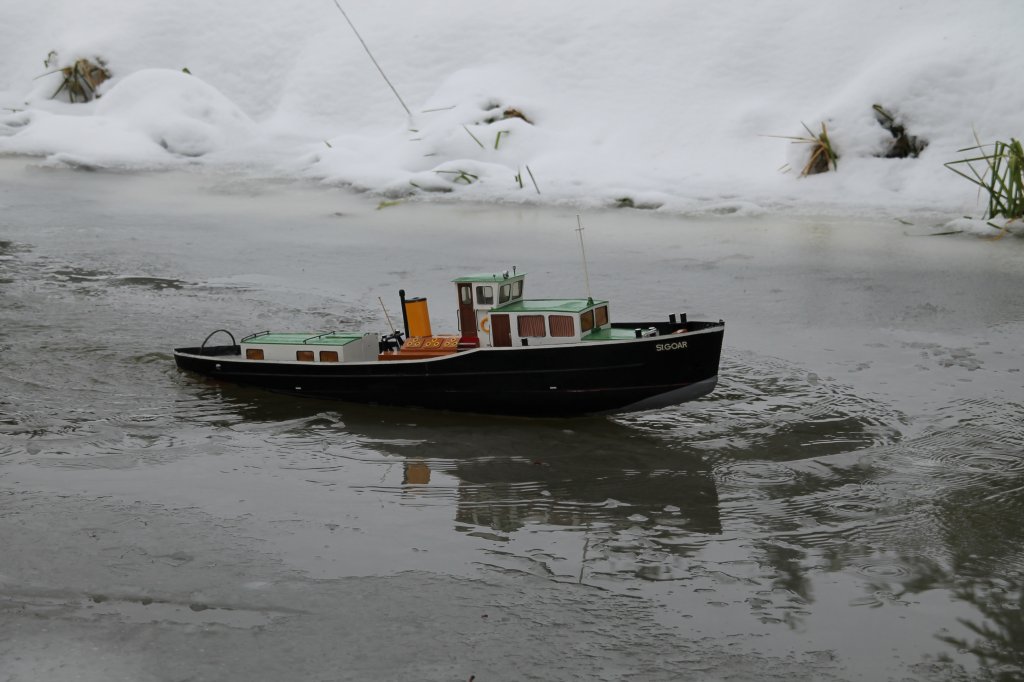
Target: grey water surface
847	505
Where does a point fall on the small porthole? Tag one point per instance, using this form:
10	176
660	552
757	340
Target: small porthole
328	356
253	353
304	355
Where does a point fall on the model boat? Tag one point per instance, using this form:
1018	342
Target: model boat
512	355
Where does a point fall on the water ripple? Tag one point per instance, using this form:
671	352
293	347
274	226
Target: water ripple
885	569
754	474
763	405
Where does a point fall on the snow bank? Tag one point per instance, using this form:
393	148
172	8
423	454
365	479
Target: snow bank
178	111
148	118
667	105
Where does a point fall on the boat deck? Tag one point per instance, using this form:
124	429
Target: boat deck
610	334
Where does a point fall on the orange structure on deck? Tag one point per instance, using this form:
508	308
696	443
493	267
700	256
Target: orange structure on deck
417	316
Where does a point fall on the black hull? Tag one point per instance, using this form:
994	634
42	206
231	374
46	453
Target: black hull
569	380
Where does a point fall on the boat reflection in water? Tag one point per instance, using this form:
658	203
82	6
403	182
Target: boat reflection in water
600	472
510	473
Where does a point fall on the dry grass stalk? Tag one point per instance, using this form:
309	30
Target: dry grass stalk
823	157
81	79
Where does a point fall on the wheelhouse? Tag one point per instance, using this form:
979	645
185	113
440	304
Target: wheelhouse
478	295
494	313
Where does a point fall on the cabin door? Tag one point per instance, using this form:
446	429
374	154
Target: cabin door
501	331
467	318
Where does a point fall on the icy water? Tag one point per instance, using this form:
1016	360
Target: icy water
847	505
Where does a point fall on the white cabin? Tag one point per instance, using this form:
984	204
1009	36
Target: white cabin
310	347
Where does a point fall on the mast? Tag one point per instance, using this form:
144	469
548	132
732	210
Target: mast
583	252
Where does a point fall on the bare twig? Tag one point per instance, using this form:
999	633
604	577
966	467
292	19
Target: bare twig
474	137
370	54
533	180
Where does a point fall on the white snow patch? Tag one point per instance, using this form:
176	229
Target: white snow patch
176	110
667	106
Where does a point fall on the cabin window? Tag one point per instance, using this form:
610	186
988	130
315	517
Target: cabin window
504	293
561	325
466	295
531	325
517	289
253	353
587	321
304	355
328	356
602	316
485	295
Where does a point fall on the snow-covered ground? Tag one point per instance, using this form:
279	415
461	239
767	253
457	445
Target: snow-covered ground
669	105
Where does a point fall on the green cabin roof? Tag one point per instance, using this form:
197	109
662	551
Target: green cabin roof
549	305
300	338
488	277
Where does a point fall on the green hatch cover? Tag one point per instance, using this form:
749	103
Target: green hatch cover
300	338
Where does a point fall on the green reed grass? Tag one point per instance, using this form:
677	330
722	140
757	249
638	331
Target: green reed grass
999	172
460	176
